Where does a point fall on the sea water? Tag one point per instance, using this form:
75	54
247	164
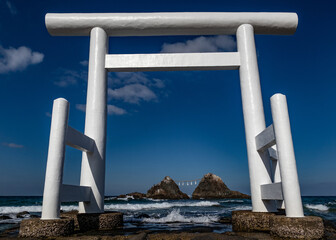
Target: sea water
151	214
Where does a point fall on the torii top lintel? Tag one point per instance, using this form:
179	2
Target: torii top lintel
178	23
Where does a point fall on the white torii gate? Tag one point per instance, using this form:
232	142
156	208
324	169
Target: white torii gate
267	185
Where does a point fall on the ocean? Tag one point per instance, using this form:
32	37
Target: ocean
150	214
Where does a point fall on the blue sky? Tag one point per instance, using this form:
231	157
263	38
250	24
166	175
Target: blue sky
181	124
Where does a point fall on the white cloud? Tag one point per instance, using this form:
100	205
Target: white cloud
84	63
201	44
14	59
111	109
114	110
12	145
125	78
69	77
132	93
81	107
11	7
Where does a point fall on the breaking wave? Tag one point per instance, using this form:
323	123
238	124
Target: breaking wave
33	208
176	217
134	207
318	207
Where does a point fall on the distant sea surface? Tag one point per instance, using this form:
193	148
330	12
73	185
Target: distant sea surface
160	214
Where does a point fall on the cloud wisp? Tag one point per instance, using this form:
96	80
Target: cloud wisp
67	77
11	7
114	110
18	59
111	109
132	93
132	88
201	44
12	145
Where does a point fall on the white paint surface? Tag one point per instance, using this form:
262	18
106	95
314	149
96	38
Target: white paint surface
78	140
93	164
54	172
265	139
174	23
172	62
271	191
254	119
286	156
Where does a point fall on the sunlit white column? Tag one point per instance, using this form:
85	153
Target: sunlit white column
54	172
286	156
93	165
254	119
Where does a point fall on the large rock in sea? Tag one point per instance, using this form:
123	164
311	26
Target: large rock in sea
212	187
166	189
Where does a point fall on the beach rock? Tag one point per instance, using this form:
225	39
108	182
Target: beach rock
134	195
212	187
143	215
166	189
4	217
225	220
21	214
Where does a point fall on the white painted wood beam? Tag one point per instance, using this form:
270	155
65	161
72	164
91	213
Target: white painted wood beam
265	139
172	23
78	140
172	62
271	191
72	193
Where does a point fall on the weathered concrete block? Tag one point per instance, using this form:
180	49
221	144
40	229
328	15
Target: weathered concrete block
37	228
73	215
248	221
110	220
309	227
95	221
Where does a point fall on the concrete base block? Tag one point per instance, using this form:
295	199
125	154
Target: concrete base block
297	228
95	221
248	221
37	228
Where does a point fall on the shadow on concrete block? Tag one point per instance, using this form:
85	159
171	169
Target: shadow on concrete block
37	228
309	227
95	221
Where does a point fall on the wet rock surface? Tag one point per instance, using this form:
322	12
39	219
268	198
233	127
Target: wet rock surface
133	195
166	189
212	187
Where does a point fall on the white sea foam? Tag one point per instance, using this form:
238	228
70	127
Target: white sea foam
233	201
175	216
110	198
17	209
135	207
126	198
318	207
34	208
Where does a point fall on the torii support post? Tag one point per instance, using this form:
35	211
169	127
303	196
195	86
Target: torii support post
54	173
254	119
93	164
286	156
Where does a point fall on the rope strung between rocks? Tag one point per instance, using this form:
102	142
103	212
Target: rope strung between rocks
188	182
